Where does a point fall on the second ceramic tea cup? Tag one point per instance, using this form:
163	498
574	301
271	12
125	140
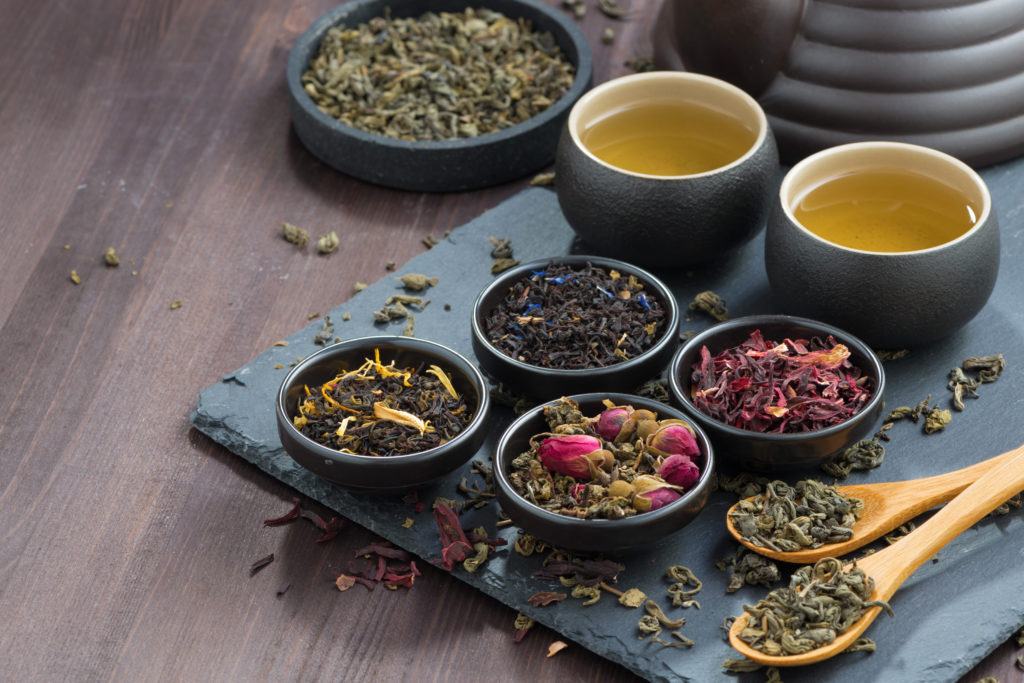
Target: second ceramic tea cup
666	168
897	243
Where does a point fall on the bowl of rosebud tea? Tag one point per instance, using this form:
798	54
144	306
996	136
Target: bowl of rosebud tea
603	472
778	392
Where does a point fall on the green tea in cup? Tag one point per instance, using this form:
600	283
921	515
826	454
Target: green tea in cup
886	209
668	138
667	169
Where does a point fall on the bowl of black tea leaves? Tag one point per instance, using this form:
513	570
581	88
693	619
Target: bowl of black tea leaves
777	392
603	471
574	324
383	413
437	96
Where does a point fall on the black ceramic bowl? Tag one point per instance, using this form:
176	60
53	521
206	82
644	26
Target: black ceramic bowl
598	535
371	472
891	300
440	166
666	221
740	449
545	383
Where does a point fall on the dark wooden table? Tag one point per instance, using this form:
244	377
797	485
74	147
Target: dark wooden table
162	130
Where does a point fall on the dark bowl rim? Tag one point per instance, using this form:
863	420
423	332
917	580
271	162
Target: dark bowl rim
467	368
665	295
297	65
754	322
619	525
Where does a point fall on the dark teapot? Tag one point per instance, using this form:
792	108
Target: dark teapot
947	74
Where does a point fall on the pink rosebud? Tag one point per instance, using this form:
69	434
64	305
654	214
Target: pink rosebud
568	454
610	422
673	439
652	493
679	470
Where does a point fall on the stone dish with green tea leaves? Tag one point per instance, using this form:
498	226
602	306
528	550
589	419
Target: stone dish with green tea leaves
434	96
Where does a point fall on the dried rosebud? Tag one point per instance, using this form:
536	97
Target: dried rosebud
646	427
610	422
673	438
652	493
568	454
620	488
602	459
679	470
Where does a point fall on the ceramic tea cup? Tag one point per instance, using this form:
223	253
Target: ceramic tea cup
897	243
666	169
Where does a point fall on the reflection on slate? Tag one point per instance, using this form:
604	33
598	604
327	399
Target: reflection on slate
973	585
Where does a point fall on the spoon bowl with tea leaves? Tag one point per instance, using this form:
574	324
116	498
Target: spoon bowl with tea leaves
888	569
887	505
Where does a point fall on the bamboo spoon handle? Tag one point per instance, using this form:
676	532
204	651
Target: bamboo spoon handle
908	499
891	567
943	487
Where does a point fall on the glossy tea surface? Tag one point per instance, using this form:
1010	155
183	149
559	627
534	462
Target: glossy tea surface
668	138
886	210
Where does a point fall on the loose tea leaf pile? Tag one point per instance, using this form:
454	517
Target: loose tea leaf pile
440	76
808	514
382	410
821	602
575	317
794	386
621	463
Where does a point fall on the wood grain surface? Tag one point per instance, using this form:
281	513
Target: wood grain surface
162	129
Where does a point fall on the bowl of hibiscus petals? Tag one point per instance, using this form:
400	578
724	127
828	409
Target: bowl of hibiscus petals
777	392
603	472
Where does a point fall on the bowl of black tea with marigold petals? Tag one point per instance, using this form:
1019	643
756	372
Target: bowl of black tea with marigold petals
574	324
603	471
778	392
381	413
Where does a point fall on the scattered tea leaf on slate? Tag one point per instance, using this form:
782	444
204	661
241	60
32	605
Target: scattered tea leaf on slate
417	282
545	598
110	258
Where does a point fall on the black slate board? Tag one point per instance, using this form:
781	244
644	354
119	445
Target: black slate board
949	615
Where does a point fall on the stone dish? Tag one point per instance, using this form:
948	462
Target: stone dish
382	473
440	166
598	535
546	383
739	449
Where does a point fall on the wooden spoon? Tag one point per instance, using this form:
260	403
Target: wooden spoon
891	566
886	507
